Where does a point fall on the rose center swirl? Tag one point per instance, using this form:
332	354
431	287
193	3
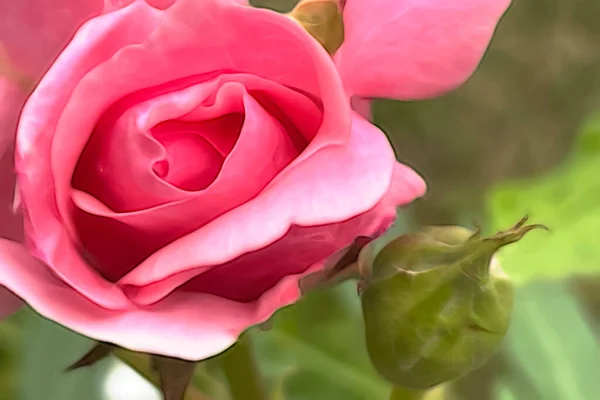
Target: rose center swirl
163	162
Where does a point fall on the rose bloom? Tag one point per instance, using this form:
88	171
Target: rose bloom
178	166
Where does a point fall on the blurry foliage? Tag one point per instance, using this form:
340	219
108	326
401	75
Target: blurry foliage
34	354
553	345
317	347
551	340
49	351
565	199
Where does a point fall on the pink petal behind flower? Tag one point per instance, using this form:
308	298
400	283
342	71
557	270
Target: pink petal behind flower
33	32
9	303
362	106
111	5
414	49
12	97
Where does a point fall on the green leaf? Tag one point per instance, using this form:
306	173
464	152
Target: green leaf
48	349
552	345
319	345
566	200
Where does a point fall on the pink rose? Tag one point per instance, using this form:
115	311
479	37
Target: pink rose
180	168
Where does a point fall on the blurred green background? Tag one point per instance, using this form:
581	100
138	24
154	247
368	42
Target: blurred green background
521	137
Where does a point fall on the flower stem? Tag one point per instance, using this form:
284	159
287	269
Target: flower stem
241	370
141	364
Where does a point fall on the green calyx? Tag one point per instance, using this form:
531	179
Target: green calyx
437	304
322	19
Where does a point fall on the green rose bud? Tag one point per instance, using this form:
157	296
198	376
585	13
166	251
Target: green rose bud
437	304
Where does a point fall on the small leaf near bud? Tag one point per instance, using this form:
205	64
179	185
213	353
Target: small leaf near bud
437	304
323	20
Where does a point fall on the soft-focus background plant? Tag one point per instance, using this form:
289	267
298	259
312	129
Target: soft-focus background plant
521	137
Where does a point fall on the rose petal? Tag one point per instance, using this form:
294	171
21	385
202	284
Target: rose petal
414	49
241	280
362	106
179	49
112	5
33	32
117	163
184	325
127	184
263	149
292	109
406	185
98	40
334	185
